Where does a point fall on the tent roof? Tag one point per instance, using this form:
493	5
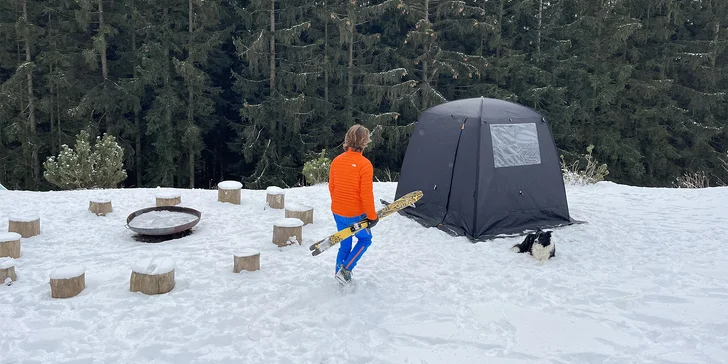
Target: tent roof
484	108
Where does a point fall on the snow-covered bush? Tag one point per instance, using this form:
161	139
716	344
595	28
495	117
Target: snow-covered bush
317	170
693	180
592	172
100	166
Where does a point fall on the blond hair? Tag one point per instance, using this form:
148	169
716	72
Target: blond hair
357	138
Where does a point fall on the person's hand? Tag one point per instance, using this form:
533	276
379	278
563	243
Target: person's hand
372	222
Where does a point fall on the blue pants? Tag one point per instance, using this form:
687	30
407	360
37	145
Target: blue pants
347	256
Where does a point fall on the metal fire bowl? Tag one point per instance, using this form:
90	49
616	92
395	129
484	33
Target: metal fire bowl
164	231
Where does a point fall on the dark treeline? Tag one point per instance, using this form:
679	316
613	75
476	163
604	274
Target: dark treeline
197	91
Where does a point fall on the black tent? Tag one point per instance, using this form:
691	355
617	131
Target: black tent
486	167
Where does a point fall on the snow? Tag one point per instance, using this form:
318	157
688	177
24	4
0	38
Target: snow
273	190
6	263
154	266
292	206
642	282
10	236
69	271
230	185
161	219
247	252
161	193
288	222
23	217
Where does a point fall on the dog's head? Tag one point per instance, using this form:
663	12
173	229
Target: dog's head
543	237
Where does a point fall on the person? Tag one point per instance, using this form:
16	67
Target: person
351	187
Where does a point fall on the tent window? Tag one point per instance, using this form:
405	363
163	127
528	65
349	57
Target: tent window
515	144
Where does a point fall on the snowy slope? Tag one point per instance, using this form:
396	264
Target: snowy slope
642	282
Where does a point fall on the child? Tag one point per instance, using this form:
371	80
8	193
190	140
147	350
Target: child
351	187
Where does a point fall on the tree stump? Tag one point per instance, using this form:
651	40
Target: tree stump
68	281
100	207
287	231
303	213
7	271
275	197
229	191
248	260
152	276
168	198
10	245
25	225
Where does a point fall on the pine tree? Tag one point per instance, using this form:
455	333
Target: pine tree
202	39
279	64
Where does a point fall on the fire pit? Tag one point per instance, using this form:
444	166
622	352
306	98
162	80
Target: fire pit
162	220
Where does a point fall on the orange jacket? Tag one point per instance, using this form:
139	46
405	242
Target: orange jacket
351	186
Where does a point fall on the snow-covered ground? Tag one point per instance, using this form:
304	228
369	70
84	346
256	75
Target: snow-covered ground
643	282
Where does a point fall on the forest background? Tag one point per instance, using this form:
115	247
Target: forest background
199	91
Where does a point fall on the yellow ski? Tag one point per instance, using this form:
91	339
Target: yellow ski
396	205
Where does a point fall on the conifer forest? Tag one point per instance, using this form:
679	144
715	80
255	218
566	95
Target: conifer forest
200	91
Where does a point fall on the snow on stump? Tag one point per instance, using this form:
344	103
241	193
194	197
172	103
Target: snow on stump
275	197
7	270
303	213
25	225
287	231
229	191
152	276
10	245
68	281
168	198
100	207
248	260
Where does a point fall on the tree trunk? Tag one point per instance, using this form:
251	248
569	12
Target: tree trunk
35	160
326	67
499	36
272	45
167	177
350	65
190	103
137	123
58	121
50	86
104	64
425	61
540	17
715	42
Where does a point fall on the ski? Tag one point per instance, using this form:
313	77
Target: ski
335	238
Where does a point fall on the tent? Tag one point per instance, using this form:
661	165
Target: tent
486	167
2	188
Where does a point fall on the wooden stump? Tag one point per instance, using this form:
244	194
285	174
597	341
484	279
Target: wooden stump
287	231
303	213
275	197
248	260
7	270
229	191
168	198
100	207
152	276
26	226
10	245
68	281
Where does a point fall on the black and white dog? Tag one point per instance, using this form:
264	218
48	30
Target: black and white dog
538	244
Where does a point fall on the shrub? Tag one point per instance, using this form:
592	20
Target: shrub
592	172
100	166
693	180
316	170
